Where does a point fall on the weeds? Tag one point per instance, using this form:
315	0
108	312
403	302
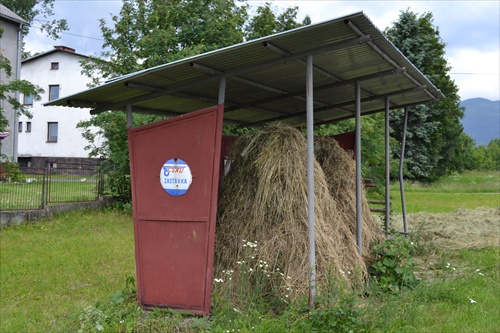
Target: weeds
394	266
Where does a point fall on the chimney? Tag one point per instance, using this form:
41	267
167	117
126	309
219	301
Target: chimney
65	48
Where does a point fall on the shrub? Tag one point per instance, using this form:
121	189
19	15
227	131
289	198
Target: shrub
394	266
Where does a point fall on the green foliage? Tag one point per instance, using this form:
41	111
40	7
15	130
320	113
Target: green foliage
338	309
487	157
435	144
394	266
113	127
41	10
267	21
12	172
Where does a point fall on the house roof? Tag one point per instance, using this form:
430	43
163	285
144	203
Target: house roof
10	15
266	78
56	49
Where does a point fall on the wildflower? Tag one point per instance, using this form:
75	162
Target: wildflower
472	301
250	269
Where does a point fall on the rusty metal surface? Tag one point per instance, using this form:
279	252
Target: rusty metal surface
174	235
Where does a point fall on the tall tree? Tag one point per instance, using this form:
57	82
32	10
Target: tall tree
434	131
148	33
41	11
268	21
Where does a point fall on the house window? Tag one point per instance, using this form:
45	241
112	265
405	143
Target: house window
28	126
53	92
54	65
20	128
28	100
52	132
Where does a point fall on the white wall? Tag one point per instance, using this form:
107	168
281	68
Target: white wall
9	49
70	142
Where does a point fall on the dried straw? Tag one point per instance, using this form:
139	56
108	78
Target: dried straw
264	199
340	172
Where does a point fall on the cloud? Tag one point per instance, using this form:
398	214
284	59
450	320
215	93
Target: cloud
476	73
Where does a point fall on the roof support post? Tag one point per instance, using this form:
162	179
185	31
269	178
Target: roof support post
310	181
387	169
222	90
359	211
401	180
128	108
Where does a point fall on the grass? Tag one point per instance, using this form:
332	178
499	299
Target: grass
24	195
51	269
73	273
469	190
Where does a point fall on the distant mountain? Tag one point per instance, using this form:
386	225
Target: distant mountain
482	119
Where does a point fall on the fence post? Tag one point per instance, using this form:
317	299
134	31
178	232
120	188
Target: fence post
44	181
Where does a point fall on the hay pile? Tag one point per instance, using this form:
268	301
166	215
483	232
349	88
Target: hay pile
340	172
263	199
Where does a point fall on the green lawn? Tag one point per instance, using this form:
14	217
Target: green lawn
63	275
469	190
52	268
24	195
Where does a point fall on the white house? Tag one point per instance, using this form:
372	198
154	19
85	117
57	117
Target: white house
52	133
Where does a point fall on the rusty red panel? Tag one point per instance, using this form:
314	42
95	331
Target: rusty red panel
347	141
175	172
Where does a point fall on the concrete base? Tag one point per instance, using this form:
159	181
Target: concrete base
20	216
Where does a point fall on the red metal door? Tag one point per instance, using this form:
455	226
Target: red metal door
175	173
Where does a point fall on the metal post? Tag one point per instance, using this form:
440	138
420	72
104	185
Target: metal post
401	180
359	211
387	170
310	181
44	186
222	90
128	108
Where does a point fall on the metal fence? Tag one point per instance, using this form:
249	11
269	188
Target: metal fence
34	188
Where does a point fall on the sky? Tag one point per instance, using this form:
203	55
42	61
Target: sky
470	30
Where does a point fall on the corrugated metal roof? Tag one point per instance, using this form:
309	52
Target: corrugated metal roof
266	78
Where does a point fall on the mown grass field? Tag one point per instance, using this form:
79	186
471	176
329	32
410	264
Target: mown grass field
68	274
468	191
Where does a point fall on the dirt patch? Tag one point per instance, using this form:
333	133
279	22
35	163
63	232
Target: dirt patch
465	228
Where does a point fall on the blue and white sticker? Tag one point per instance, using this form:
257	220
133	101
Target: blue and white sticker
175	177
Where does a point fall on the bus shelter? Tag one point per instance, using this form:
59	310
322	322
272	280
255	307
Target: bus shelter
317	74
